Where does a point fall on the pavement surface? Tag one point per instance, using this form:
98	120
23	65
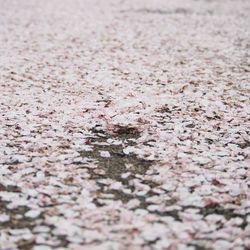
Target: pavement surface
124	124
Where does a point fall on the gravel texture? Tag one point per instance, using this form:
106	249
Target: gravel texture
124	124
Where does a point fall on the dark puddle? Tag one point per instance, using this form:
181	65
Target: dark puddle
118	163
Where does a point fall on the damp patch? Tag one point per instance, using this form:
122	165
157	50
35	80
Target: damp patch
118	167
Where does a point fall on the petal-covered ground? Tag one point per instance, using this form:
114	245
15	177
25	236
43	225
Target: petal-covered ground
124	124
